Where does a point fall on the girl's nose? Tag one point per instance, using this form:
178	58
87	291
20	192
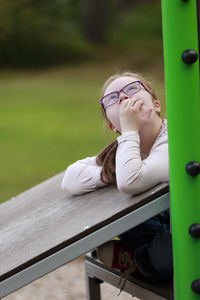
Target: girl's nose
122	97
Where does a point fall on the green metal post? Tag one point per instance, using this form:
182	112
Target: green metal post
180	33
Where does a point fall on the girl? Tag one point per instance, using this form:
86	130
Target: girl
135	162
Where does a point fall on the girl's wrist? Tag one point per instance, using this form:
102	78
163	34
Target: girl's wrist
129	128
125	126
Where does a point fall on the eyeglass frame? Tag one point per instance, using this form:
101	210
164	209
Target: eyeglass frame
122	90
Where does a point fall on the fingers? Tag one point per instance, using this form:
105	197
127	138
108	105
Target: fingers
137	105
132	104
132	116
147	114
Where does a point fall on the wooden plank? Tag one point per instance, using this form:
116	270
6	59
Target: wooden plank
45	219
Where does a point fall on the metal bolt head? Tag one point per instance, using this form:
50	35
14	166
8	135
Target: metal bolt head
193	168
194	230
195	286
189	56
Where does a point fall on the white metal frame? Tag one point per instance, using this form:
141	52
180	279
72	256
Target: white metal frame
94	272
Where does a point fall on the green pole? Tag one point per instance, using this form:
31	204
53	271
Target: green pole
180	33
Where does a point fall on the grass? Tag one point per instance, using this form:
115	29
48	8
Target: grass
48	120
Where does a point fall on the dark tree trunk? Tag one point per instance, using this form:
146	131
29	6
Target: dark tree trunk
94	19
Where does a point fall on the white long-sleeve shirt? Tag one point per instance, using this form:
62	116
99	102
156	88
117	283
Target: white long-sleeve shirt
133	175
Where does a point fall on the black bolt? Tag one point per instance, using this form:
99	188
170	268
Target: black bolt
195	286
94	253
194	230
189	56
193	168
98	281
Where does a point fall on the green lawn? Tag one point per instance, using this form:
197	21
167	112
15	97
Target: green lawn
47	121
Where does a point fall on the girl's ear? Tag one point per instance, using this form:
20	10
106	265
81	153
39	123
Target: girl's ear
157	105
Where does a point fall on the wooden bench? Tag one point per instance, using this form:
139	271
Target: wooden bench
44	227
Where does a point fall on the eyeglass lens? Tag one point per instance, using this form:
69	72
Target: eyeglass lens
129	89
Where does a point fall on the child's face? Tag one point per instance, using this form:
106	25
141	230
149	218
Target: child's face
112	111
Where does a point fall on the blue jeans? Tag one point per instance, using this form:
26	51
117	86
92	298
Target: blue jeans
152	243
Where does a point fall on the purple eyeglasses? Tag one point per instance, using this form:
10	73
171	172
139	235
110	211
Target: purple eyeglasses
129	89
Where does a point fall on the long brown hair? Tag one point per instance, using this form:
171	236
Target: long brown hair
106	157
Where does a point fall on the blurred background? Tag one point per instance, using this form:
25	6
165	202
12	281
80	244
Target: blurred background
54	59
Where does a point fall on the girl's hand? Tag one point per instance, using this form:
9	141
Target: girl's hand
132	118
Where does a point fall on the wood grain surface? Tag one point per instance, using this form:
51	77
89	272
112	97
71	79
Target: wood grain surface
45	219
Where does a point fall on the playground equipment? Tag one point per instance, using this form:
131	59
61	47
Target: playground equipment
181	61
181	57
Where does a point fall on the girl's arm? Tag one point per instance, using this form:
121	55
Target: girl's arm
135	175
82	176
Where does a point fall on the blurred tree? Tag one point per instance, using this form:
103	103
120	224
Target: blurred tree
36	33
94	19
98	16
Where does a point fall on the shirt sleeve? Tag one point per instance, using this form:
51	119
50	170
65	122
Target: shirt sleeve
135	175
82	176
